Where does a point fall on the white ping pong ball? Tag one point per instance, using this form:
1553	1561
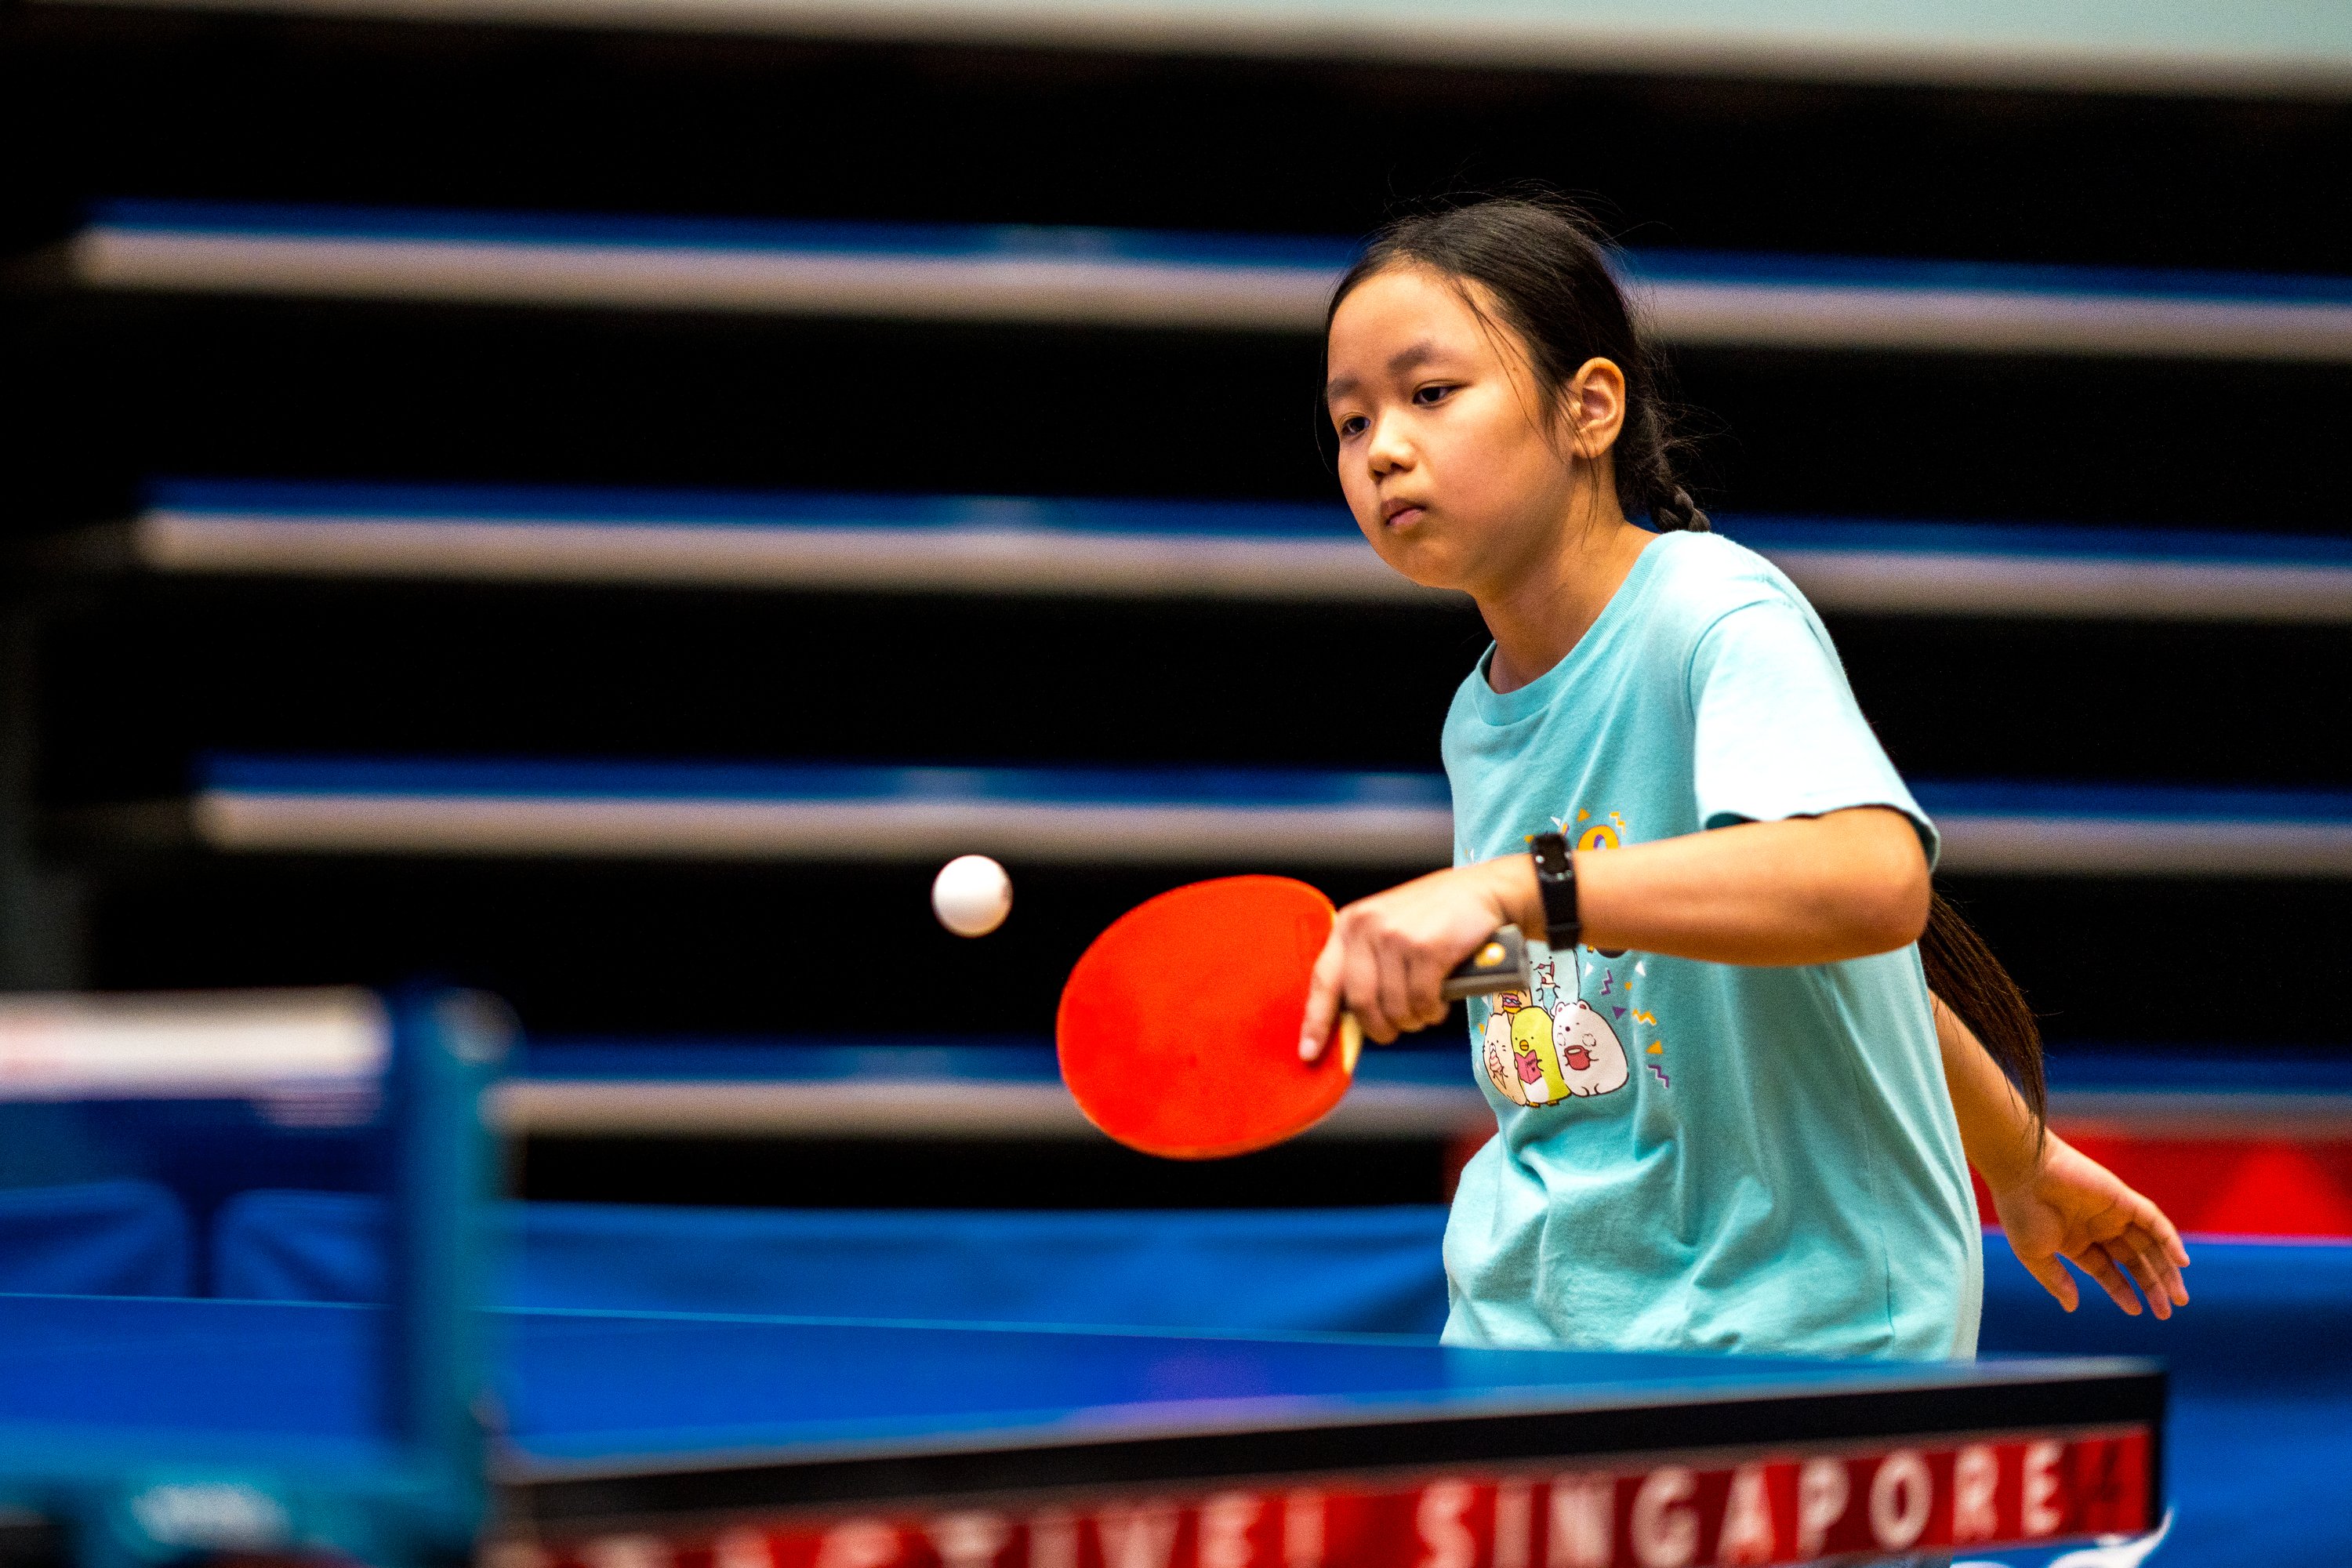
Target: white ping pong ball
971	895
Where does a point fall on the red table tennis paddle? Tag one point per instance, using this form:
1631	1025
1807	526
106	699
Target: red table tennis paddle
1179	1028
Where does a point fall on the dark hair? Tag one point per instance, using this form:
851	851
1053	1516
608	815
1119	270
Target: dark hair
1547	269
1963	971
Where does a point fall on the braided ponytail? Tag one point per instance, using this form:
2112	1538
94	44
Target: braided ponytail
1550	274
1679	511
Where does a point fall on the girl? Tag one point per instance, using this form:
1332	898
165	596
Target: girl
1659	766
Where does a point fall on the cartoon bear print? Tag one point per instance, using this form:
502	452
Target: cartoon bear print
1592	1062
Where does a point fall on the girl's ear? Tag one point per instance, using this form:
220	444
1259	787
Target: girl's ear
1592	406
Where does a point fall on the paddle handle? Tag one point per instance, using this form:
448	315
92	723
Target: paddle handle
1499	964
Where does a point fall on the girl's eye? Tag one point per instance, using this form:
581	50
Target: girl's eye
1429	396
1353	425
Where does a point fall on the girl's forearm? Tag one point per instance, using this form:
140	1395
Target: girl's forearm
1998	1129
1802	890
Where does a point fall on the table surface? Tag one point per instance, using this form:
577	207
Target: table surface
605	1389
636	1422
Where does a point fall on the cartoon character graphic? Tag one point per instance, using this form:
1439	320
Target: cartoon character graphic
1494	1048
1516	1045
1532	1057
1549	1046
1536	1056
1494	1055
1591	1059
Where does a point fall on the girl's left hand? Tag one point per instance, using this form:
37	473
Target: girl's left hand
2071	1206
1388	955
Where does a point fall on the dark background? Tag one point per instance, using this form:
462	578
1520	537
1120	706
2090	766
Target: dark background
121	684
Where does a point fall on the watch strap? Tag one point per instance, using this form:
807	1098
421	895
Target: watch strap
1556	884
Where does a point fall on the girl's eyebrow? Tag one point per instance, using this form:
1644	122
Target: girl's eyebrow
1403	360
1412	355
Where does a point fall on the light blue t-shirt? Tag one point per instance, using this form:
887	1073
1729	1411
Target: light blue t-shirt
1697	1155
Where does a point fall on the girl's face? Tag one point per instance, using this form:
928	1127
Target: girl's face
1443	453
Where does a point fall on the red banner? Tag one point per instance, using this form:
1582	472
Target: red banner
1929	1497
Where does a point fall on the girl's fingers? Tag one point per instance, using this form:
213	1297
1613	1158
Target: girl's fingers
1393	974
1426	981
2126	1251
2095	1262
1418	980
2152	1219
1361	986
2054	1280
1322	1000
2160	1260
2144	1273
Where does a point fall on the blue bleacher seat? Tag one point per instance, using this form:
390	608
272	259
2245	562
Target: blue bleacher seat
1368	1270
124	1237
2266	1313
2159	1092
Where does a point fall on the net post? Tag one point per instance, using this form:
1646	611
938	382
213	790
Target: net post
448	1050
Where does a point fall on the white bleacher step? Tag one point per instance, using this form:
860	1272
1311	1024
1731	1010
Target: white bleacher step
190	1044
2006	829
1153	279
822	812
965	544
2260	50
1115	816
1144	548
914	1090
911	1089
2185	1090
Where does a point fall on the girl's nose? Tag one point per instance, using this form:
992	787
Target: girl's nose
1387	451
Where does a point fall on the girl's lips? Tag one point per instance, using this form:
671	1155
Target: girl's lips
1404	515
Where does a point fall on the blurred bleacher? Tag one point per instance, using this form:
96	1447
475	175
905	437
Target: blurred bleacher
464	552
454	549
1125	279
594	498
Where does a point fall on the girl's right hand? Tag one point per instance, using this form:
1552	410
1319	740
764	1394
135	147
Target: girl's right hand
2071	1206
1388	956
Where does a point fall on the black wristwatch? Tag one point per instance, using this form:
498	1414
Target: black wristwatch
1556	882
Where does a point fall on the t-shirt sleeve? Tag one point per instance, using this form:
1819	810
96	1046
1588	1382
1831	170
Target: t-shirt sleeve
1777	731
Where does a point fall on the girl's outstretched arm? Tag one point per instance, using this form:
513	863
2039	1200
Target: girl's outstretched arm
1806	889
2053	1200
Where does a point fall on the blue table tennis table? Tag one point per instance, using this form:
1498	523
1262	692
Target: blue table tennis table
633	1440
427	1431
